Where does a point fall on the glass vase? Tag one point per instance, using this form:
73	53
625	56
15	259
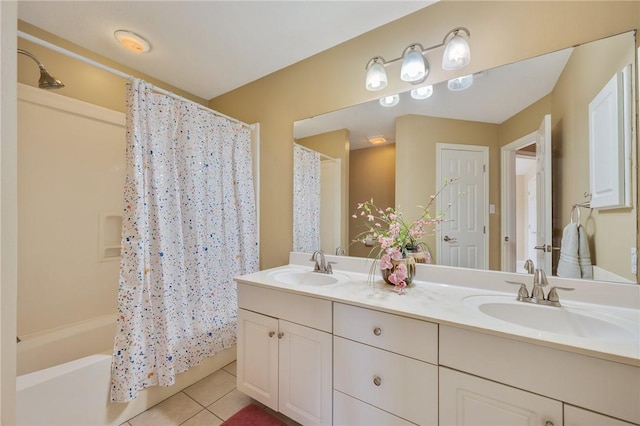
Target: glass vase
409	262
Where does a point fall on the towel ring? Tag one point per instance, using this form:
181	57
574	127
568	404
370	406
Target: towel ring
575	211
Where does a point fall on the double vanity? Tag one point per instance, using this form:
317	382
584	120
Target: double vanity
456	348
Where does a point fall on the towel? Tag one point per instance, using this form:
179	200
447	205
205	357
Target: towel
575	259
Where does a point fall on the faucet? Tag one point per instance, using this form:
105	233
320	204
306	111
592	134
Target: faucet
528	265
537	292
340	251
321	266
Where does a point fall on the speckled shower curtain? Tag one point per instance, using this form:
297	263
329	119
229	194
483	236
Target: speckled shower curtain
189	226
306	199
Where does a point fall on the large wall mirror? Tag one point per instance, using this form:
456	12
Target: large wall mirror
503	113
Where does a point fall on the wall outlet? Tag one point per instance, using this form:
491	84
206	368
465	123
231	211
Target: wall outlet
634	260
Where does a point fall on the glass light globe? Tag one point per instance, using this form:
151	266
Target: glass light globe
422	92
389	101
456	54
376	77
460	83
414	67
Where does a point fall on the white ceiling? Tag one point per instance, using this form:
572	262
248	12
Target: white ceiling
211	47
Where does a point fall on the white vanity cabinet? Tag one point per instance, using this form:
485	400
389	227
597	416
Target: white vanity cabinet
385	369
467	400
285	353
574	416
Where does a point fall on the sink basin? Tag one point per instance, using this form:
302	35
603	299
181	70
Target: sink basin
307	277
572	321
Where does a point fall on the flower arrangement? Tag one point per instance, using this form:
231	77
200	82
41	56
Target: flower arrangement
394	239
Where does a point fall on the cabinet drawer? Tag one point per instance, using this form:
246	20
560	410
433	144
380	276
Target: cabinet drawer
348	411
304	310
402	335
403	386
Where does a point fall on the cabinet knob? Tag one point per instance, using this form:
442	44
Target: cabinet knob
280	335
377	331
378	381
272	333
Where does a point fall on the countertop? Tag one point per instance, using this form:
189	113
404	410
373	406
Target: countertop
443	295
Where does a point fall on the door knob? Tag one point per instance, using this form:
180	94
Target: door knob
546	248
450	239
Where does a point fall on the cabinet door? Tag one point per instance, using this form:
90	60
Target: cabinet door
258	357
467	400
574	416
305	374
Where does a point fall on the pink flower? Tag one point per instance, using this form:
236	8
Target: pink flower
400	287
395	254
385	262
371	218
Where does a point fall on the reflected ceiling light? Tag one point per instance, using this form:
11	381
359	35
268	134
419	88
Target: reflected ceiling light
132	41
376	140
415	66
456	52
423	92
389	101
376	75
460	83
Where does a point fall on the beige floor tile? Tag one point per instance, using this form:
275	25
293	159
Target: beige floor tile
203	418
126	424
230	404
231	368
212	388
170	412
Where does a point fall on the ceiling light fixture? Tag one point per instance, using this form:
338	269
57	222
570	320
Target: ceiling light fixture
415	67
423	92
132	41
376	140
389	101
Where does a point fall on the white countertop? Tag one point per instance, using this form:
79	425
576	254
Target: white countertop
438	295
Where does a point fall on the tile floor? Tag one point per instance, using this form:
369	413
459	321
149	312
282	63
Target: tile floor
208	402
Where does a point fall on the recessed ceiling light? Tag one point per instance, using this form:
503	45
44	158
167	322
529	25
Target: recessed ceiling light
132	41
377	139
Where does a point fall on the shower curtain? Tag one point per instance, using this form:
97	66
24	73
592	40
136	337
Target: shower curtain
189	226
306	199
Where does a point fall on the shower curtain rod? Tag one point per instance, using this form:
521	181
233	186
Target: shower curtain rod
313	150
103	67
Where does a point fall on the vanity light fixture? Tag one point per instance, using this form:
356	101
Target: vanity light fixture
423	92
132	41
415	67
389	101
460	83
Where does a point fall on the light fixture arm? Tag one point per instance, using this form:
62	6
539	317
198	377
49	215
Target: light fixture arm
384	63
32	56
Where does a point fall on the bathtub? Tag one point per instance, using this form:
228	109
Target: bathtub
64	377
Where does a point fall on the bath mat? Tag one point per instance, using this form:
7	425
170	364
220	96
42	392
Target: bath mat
252	415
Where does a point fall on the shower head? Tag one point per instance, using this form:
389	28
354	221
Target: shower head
47	81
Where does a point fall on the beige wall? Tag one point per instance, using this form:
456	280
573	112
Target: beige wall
589	68
501	33
416	139
335	145
371	175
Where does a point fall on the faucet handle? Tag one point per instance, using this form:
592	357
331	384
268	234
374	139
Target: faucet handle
522	291
329	268
553	294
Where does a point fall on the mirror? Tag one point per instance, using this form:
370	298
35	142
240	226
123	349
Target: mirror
502	106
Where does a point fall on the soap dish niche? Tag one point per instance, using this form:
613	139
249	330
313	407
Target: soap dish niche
110	230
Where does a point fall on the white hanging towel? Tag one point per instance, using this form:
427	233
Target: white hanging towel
584	256
568	265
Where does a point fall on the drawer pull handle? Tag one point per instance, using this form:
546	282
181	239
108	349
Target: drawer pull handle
272	333
377	380
377	331
280	335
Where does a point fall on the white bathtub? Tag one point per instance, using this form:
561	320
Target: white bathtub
64	377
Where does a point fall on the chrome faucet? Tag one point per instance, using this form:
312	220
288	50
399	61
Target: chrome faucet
340	251
528	265
321	266
537	292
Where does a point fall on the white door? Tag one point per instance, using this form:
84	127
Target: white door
543	195
462	238
532	221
